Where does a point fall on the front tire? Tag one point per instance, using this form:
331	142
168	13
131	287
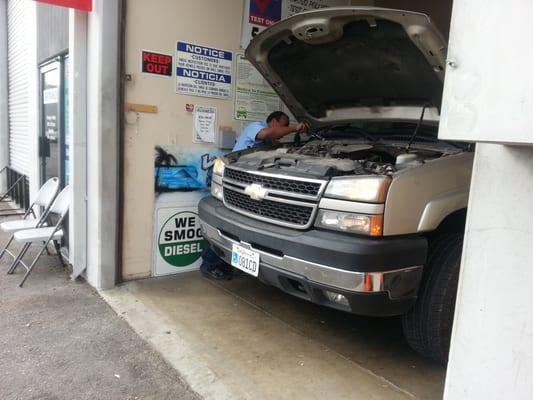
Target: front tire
428	326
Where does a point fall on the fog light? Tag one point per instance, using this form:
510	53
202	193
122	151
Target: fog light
337	298
216	190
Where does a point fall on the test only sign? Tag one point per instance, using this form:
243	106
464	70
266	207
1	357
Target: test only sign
179	241
203	71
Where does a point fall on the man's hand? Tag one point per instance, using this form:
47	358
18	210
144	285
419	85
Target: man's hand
302	127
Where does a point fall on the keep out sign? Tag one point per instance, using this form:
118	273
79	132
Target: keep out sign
156	63
180	240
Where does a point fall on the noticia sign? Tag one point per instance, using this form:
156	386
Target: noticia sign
180	240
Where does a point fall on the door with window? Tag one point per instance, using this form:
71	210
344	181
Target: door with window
53	138
54	133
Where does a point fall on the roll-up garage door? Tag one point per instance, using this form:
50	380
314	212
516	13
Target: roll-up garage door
19	70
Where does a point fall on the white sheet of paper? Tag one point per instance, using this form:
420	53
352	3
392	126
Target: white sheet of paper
205	121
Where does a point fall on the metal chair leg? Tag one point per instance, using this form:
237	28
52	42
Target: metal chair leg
6	246
15	263
58	252
47	251
33	264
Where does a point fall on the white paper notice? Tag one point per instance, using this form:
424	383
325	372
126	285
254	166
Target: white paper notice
205	122
254	97
292	7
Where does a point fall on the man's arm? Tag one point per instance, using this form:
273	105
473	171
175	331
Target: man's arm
277	132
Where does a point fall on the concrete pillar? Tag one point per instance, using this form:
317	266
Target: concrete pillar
78	145
487	100
4	116
492	344
103	142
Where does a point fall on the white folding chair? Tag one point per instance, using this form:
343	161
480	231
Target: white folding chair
44	235
44	198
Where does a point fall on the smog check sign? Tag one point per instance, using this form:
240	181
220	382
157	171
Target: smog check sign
180	241
203	71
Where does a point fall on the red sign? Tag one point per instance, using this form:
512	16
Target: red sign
156	63
83	5
265	12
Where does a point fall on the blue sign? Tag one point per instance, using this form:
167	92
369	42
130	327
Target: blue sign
203	71
204	51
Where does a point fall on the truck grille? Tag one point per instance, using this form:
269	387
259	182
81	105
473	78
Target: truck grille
288	213
270	182
290	202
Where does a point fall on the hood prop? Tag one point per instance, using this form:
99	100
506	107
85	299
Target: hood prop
417	127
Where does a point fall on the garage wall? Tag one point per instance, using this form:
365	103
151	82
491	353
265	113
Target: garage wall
205	22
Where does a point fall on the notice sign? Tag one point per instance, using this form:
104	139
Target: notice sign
205	119
156	63
203	71
254	97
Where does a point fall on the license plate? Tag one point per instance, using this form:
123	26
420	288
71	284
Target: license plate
245	260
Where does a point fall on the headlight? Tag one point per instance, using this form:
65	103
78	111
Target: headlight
216	191
369	189
218	168
371	225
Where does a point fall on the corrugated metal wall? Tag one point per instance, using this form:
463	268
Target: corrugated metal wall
19	70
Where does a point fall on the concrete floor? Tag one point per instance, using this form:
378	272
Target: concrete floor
244	340
60	340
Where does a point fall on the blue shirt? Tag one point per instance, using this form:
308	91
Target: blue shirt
247	137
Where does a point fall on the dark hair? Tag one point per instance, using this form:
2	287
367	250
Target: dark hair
277	115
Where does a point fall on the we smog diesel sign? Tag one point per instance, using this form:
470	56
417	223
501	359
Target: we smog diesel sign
180	240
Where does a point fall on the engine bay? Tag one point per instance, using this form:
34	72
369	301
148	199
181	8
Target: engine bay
328	158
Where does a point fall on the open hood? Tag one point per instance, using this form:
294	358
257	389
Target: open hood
354	63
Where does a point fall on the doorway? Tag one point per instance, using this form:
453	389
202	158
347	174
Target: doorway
54	135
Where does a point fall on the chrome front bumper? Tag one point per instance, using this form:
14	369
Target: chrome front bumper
399	283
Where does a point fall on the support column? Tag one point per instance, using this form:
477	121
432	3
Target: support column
103	143
492	343
78	145
4	115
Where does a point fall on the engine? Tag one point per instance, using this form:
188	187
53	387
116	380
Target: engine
328	158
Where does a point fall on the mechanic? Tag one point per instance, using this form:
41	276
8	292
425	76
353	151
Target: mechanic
274	128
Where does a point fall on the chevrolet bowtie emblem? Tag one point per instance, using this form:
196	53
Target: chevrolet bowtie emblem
255	191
